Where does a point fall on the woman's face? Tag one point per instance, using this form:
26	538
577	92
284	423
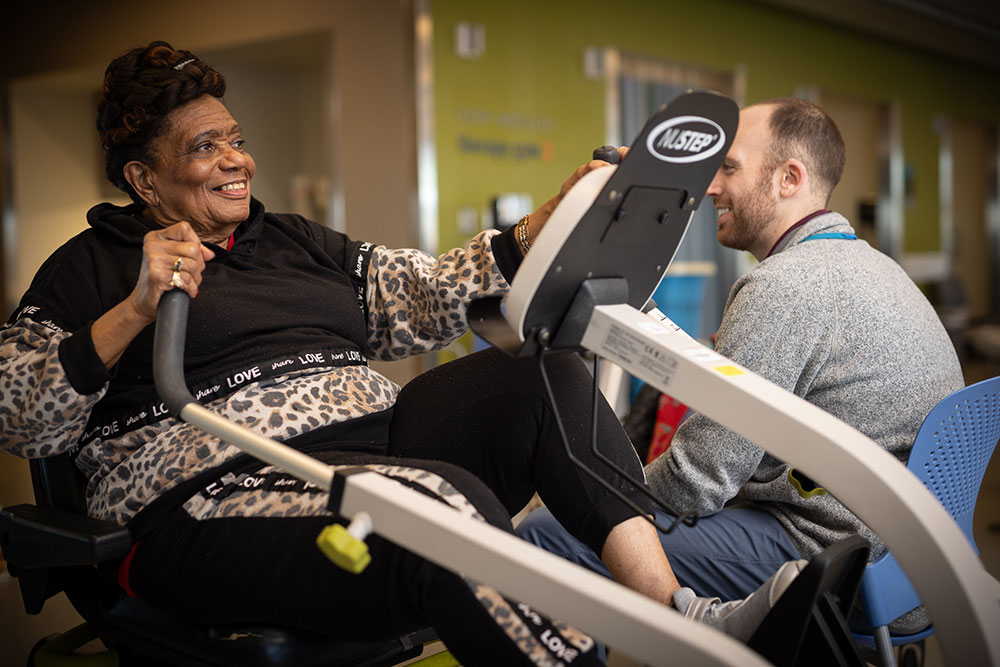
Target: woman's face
201	172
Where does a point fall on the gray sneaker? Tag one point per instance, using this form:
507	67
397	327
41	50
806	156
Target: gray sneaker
739	618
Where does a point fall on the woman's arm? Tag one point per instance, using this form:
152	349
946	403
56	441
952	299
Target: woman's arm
50	379
41	413
417	303
161	250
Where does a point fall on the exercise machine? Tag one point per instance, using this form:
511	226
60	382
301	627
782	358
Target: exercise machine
585	285
561	297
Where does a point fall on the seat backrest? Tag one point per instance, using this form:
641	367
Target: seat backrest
950	454
954	445
138	630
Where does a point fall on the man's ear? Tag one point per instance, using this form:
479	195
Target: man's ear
138	176
793	177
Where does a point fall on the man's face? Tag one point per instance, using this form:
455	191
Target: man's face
743	192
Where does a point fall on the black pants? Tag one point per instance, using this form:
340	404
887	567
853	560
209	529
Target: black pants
480	419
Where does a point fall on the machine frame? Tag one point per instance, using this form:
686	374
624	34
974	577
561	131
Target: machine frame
583	285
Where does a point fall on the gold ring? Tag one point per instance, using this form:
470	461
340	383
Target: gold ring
175	280
178	265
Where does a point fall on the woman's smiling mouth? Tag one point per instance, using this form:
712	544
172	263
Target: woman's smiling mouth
237	188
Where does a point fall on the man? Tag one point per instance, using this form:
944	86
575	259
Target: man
823	315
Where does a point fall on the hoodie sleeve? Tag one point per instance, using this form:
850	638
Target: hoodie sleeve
50	374
416	303
50	383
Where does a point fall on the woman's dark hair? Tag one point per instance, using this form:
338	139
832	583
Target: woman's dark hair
140	88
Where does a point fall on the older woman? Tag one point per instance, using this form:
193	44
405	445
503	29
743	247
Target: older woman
285	314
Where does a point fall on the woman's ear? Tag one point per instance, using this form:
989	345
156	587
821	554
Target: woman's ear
138	176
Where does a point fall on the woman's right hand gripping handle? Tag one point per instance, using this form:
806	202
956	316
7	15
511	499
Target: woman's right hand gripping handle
172	258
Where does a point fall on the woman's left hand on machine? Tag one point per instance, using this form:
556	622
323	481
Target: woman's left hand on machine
530	225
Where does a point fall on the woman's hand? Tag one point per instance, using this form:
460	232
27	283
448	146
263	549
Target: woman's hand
161	249
535	221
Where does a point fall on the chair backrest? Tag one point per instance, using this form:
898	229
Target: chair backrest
137	630
954	445
950	454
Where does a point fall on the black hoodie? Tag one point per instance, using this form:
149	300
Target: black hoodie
288	302
299	306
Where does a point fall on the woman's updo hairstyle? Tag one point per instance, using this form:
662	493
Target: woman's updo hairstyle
140	89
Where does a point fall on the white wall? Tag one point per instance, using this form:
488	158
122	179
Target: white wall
55	170
365	109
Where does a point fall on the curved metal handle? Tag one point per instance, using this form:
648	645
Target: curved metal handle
168	351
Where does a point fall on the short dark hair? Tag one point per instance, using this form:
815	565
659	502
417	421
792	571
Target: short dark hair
801	130
140	88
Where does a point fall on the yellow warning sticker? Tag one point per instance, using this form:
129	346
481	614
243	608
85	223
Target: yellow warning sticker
728	370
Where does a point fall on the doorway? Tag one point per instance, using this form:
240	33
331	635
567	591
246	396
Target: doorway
871	191
969	211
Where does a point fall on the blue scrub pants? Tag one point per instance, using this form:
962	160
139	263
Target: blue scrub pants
727	555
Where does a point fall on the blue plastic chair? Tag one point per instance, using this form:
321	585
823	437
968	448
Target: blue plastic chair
950	454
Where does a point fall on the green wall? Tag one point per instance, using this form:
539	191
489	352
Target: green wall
532	73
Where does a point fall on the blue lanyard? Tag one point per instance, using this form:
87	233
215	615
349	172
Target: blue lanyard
830	235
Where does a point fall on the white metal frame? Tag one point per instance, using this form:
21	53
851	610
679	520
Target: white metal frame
632	623
960	596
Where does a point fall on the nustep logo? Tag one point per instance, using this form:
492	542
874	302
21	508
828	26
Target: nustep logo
685	139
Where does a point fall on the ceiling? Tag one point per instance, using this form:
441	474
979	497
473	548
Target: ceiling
968	30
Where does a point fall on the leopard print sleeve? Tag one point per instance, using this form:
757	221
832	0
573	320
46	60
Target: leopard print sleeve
417	303
41	414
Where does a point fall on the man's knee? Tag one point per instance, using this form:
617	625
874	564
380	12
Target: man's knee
541	529
544	531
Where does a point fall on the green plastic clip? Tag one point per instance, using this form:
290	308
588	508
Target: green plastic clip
346	551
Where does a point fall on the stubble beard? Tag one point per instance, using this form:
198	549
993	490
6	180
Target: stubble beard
750	217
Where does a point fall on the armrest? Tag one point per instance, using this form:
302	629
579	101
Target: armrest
33	536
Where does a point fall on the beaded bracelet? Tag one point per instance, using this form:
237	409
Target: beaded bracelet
522	233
